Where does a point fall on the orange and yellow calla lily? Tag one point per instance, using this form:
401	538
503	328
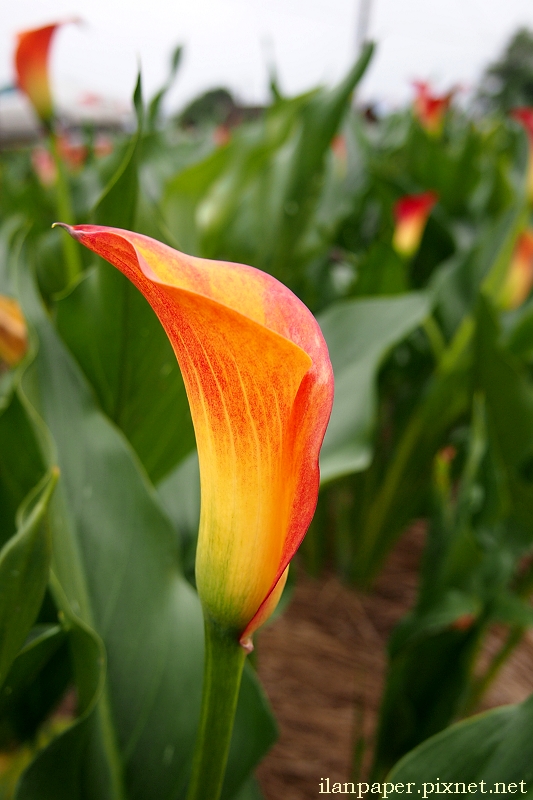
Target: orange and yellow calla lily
13	333
31	65
411	214
519	278
524	115
260	387
429	108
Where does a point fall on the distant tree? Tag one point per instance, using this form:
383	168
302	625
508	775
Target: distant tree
215	107
508	82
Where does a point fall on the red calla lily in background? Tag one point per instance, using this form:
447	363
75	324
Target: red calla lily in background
31	65
411	214
260	387
429	108
519	279
524	115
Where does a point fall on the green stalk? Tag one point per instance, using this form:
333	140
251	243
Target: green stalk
64	209
223	665
370	548
436	340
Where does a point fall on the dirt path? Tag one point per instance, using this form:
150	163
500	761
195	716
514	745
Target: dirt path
322	664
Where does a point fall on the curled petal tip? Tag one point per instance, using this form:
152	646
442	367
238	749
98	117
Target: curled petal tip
247	645
70	229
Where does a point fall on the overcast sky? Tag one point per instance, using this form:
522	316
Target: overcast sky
229	42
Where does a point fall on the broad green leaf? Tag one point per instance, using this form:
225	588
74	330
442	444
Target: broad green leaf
495	747
116	558
359	334
179	494
24	568
125	353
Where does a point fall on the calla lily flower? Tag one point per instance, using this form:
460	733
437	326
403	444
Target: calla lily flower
260	387
31	64
13	333
519	279
411	214
524	115
430	109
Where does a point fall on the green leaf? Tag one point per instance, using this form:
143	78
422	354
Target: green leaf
34	685
508	389
127	357
186	190
117	205
21	466
496	747
121	345
154	109
116	558
179	494
359	334
321	118
24	567
74	764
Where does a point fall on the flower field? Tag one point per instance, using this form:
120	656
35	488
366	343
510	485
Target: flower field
299	332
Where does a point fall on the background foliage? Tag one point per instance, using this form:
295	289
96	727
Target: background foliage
101	638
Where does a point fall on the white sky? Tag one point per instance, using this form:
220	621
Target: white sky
229	42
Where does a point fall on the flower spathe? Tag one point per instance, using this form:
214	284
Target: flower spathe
524	115
31	65
519	278
260	387
411	214
13	332
429	108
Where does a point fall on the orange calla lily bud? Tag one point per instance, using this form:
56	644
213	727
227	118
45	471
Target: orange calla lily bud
13	334
524	115
411	214
430	109
519	279
260	387
31	64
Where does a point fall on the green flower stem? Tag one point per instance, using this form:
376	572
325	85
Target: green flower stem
223	665
65	213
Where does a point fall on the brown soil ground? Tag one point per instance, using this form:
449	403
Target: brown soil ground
322	664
